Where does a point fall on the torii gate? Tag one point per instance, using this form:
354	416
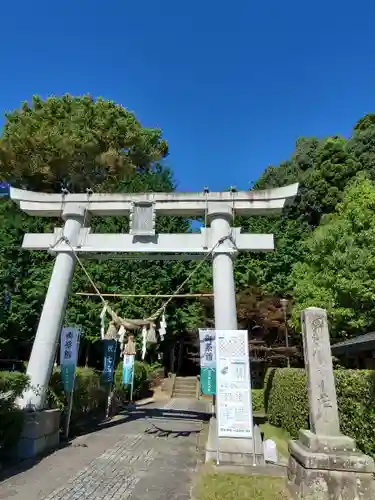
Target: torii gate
219	238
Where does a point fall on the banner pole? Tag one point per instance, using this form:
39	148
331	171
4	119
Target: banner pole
71	393
69	413
132	384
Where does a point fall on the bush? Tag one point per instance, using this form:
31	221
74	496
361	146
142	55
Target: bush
11	417
287	404
257	399
143	374
89	396
286	399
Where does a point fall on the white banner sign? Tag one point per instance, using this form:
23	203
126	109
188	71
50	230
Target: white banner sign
69	345
207	348
233	386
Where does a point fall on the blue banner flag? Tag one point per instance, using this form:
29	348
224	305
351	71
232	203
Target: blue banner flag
127	369
110	350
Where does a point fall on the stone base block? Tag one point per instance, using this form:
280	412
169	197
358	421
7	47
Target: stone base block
326	443
239	451
339	460
41	432
323	484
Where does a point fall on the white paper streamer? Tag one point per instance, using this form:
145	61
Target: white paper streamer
102	324
121	334
144	342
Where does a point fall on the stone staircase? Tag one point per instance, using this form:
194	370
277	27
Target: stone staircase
185	387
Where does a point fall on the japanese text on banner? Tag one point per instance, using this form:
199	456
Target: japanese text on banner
110	350
208	361
69	356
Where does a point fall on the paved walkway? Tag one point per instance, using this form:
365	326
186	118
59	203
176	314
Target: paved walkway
151	454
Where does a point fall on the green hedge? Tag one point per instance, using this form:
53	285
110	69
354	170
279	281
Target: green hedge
11	417
257	399
286	403
90	397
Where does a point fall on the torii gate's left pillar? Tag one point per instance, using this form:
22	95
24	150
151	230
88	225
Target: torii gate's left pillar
43	351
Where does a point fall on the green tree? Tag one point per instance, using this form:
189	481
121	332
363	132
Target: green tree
75	142
337	272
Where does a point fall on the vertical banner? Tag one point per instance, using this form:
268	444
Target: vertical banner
234	411
68	356
127	369
208	361
110	350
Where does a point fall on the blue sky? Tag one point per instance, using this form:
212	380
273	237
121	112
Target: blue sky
232	84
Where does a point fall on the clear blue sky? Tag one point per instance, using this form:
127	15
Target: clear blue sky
232	84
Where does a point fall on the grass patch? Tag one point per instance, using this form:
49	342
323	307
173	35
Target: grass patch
280	436
236	487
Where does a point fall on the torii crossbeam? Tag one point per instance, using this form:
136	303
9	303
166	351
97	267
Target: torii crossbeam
219	239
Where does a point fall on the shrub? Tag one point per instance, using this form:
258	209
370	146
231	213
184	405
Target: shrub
89	396
287	404
286	399
257	399
11	417
142	377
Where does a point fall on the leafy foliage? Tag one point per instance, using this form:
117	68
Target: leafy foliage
12	384
76	142
257	399
287	405
338	268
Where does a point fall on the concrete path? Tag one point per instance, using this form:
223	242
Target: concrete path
151	453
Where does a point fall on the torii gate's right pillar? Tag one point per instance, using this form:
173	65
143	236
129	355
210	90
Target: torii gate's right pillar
220	218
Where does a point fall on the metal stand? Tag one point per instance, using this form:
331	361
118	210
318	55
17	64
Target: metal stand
69	413
132	384
71	394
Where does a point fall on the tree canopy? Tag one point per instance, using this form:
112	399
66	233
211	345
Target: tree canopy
339	263
76	143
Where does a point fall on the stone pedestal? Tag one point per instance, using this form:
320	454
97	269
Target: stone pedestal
329	468
235	451
41	433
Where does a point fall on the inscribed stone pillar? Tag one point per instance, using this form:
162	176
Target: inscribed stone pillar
324	417
324	464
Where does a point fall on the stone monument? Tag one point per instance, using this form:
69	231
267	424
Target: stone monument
323	463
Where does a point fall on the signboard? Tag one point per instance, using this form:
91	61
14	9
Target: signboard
110	350
127	369
234	412
208	361
69	356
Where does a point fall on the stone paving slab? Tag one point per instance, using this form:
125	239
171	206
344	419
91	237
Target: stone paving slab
118	463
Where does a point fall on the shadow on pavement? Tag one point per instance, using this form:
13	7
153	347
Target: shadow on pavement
162	422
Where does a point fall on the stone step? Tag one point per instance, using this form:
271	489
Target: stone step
188	395
188	386
185	389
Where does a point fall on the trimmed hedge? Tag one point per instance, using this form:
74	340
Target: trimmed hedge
90	397
11	417
286	403
257	399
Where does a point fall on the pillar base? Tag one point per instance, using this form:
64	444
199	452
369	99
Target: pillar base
327	473
41	433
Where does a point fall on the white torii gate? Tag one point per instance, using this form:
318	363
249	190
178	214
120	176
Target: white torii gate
219	238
